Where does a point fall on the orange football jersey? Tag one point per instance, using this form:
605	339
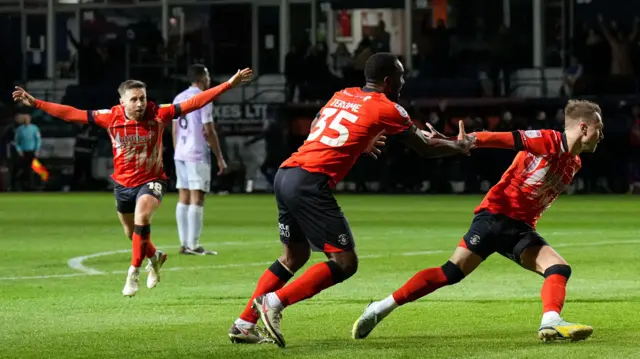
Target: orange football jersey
345	128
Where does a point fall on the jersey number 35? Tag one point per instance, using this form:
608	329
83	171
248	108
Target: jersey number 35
334	117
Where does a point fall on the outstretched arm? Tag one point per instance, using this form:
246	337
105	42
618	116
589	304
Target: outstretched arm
506	140
200	100
62	112
539	142
205	97
435	147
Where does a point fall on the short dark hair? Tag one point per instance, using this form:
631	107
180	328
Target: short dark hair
379	66
196	72
130	84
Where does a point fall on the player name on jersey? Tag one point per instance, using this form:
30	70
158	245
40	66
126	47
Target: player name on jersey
354	107
242	120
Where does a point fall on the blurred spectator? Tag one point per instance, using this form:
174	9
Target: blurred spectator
558	124
27	141
621	45
316	71
362	54
341	61
501	61
540	122
571	74
382	38
293	72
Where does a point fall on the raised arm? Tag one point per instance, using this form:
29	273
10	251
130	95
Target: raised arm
205	97
63	112
606	31
200	100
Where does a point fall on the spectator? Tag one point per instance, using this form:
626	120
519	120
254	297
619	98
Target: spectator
27	142
341	61
362	54
620	46
319	79
293	72
382	38
540	122
501	61
571	74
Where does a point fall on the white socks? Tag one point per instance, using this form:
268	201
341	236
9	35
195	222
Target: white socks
550	317
181	218
194	229
274	302
386	306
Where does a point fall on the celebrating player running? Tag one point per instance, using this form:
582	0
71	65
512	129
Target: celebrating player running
135	127
350	124
505	220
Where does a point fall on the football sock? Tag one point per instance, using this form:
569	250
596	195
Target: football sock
133	270
314	280
140	243
195	214
550	317
554	291
427	281
183	225
151	250
386	306
421	284
274	278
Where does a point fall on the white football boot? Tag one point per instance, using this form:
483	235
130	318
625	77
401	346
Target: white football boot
133	282
155	263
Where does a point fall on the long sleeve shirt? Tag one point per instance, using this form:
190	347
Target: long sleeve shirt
27	138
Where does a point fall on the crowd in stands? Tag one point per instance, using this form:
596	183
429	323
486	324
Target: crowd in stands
603	58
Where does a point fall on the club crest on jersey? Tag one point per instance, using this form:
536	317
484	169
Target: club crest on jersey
533	134
401	110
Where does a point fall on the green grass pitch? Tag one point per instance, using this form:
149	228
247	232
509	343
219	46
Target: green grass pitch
51	306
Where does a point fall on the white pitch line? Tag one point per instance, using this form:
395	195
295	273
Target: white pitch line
92	271
77	263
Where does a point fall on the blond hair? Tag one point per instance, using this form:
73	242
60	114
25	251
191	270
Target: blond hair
584	110
130	84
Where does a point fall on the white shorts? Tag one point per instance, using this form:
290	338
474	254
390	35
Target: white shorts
193	175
